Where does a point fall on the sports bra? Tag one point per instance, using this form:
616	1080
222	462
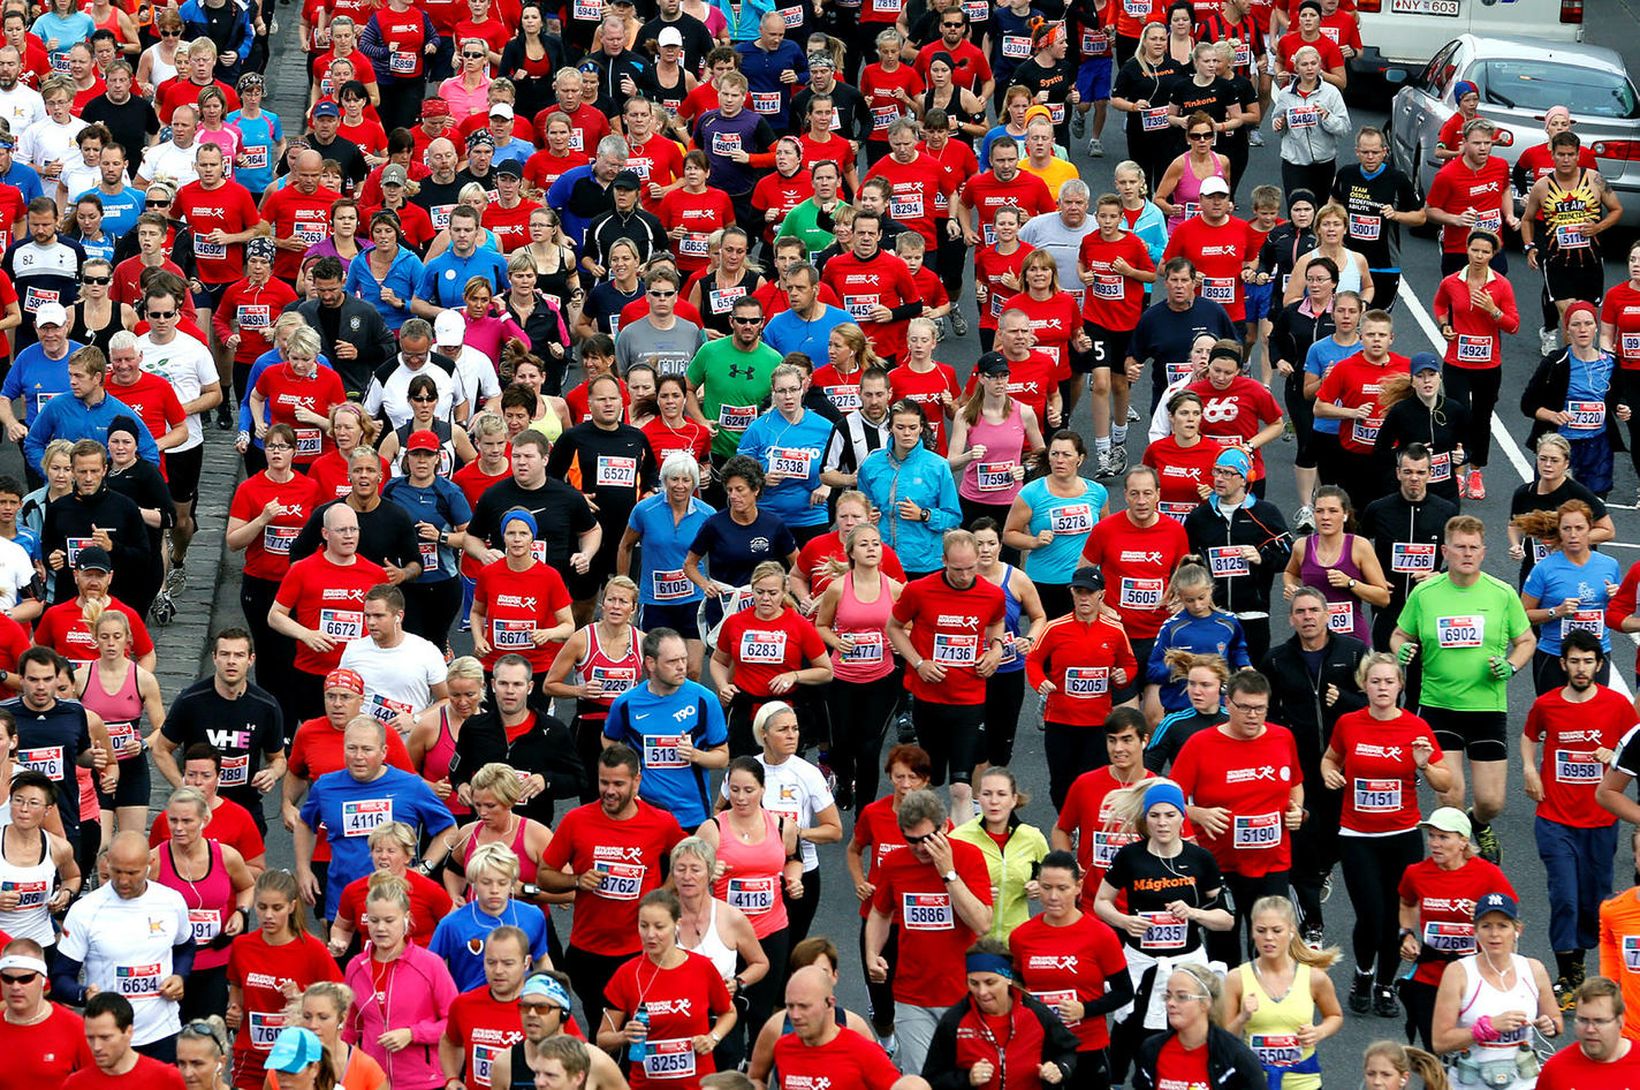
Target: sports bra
713	948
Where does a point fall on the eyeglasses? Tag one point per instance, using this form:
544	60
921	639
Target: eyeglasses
29	978
276	446
161	315
1591	1023
96	279
1256	710
1208	135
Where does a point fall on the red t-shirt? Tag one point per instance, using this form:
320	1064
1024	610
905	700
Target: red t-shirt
230	824
933	939
1236	413
1182	470
917	187
657	161
629	855
1569	734
153	399
296	215
1114	301
780	194
691	438
862	284
543	168
990	266
1031	380
1290	43
879	85
515	605
230	208
1375	756
1457	187
44	1055
472	480
127	286
511	225
367	134
1180	1067
484	1027
1058	963
972	70
261	971
328	598
848	1059
1137	563
181	91
429	903
1353	382
63	629
1570	1069
588	125
1218	254
147	1075
699	214
1252	778
985	193
928	389
816	555
1446	907
1081	660
948	627
14	642
1095	826
1054	321
268	556
835	149
285	391
1620	309
761	650
404	29
683	1003
252	311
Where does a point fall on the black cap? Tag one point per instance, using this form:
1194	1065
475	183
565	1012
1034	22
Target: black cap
1087	579
627	179
507	168
992	363
93	558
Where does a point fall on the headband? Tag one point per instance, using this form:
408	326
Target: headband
1224	352
1566	319
22	961
518	514
1164	793
547	988
999	964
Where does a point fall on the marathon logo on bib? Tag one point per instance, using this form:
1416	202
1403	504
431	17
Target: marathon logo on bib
615	680
1139	593
1163	931
1107	844
1303	117
512	635
361	817
235	771
1412	557
1341	617
30	895
736	417
1577	767
766	102
694	244
1440	467
661	751
621	881
1377	796
1153	120
1585	415
401	63
1072	518
264	1028
1365	432
994	476
1366	228
763	647
1276	1049
1219	289
1256	832
1087	682
883	116
793	461
1490	220
1631	953
955	649
1472	349
1227	561
35	297
1109	288
341	624
1016	47
670	586
253	316
1468	630
384	710
753	896
792	16
860	307
927	912
844	398
614	472
1592	621
205	248
1450	938
722	300
138	981
867	649
46	760
1095	43
309	442
1175	510
669	1059
1629	344
206	923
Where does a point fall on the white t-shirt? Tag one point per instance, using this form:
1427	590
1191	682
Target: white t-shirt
16	572
187	365
125	947
170	164
21	107
796	791
393	396
476	380
45	141
397	679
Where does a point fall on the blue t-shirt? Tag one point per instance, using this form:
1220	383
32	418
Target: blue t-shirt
652	725
1070	519
665	543
24	177
1555	579
120	211
262	134
797	450
442	504
351	811
787	333
732	550
459	938
1589	382
69	30
444	280
1322	355
37	379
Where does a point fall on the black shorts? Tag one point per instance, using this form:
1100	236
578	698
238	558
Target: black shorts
1109	349
209	295
953	735
182	473
134	787
683	619
1483	736
1570	280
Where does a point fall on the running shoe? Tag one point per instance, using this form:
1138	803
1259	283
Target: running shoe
959	324
1548	341
176	581
1361	994
1385	1005
1486	841
1118	461
1079	123
1255	139
1477	485
1304	519
1096	147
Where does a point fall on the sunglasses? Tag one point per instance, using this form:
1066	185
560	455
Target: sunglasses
662	294
96	279
158	202
13	978
951	26
753	320
424	398
170	34
925	838
473	56
1201	135
161	315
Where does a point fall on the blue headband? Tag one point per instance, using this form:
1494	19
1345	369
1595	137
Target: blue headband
1165	792
520	515
991	963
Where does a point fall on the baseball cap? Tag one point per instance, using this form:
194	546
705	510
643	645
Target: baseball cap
992	363
1463	87
449	327
294	1049
670	36
501	109
422	440
93	558
627	179
1448	819
327	109
1087	579
1424	361
435	107
50	314
508	168
394	174
1214	185
1497	902
1234	458
350	680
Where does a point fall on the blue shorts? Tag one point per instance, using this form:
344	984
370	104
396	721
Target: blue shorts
1093	79
1258	300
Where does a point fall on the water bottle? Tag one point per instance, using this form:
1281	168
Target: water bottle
638	1050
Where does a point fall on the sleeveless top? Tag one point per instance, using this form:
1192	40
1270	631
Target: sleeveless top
556	284
526	865
1188	193
35	884
1270	1031
991	481
209	899
1579	204
867	622
1349	273
954	109
1346	613
1481	998
120	710
448	461
1012	661
713	948
435	765
81	333
548	423
716	303
617	673
752	880
161	69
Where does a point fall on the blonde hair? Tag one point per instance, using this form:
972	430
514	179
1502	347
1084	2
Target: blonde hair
496	857
1409	1060
1377	658
1297	948
398	833
1180	662
760	722
499	780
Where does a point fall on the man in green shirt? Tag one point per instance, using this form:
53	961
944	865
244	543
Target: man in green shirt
805	220
730	377
1470	632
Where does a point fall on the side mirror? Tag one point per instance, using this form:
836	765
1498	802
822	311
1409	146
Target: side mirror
1395	76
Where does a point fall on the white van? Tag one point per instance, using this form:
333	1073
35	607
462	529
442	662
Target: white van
1404	34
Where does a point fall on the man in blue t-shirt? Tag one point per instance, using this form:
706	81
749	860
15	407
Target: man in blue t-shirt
677	727
121	203
355	802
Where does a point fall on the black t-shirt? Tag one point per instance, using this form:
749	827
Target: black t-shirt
732	551
1213	100
50	742
433	195
387	535
605	302
1057	81
1173	732
131	123
1527	499
697	40
246	731
1153	883
487	183
853	119
1136	85
346	153
617	466
561	516
1364	198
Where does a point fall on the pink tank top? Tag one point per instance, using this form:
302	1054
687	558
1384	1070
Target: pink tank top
867	622
210	901
990	479
752	879
526	865
435	766
120	710
618	674
1188	193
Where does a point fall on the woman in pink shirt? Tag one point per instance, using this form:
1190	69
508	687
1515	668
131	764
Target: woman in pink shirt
468	91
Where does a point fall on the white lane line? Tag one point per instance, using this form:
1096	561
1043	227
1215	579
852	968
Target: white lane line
1500	435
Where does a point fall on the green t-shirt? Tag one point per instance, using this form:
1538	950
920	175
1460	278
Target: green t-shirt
736	388
1458	630
804	223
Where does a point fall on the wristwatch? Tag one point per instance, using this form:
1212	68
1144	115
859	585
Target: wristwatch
949	876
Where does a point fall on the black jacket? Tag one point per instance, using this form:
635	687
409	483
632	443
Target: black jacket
1259	524
387	535
1547	390
643	229
1298	701
1292	332
1231	1065
1057	1044
1393	518
75	516
1442	429
545	749
359	325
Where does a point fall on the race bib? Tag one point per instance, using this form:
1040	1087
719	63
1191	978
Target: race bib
736	417
978	10
859	307
1175	510
1177	370
253	316
1256	832
428	552
614	680
614	472
766	102
30	895
309	442
1631	953
1227	561
845	399
441	215
1154	120
883	116
310	233
1109	288
1087	682
994	476
235	771
669	1059
1540	551
1219	289
927	912
588	10
264	1028
1440	467
255	156
694	244
1276	1049
888	7
384	710
1139	593
138	981
1377	796
1472	349
793	461
867	649
1629	344
753	896
205	248
1366	228
512	635
1450	938
620	881
1586	415
206	923
768	648
121	735
1302	117
1016	47
1106	845
341	624
956	648
401	62
722	300
1341	617
34	298
1163	931
671	585
46	760
1592	621
1095	43
1365	432
361	817
1056	112
661	751
1052	999
1460	631
1136	9
1072	518
906	206
1490	220
1412	557
72	547
792	17
1577	767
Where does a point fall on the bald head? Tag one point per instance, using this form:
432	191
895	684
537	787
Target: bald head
129	847
809	1003
341	517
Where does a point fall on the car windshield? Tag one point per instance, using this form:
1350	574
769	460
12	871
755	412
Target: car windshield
1537	85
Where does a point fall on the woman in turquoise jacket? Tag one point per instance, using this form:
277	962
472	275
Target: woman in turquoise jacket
913	491
366	279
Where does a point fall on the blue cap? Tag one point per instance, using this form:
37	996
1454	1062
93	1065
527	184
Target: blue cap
1424	361
1497	902
545	987
261	247
520	515
327	109
1234	458
1168	793
294	1049
1463	87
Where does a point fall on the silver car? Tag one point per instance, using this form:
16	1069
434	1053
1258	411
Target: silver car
1518	81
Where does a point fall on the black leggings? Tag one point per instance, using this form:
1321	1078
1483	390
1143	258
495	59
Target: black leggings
1235	945
1477	388
953	259
1372	873
430	609
1071	751
275	651
1316	177
204	993
859	717
1418	999
800	911
1628	387
1315	849
1004	696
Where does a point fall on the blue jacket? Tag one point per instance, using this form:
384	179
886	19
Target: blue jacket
444	279
403	276
1151	227
194	25
67	417
925	479
1218	633
763	71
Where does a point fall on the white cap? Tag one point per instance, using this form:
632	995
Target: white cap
671	36
50	314
501	109
1214	185
449	327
